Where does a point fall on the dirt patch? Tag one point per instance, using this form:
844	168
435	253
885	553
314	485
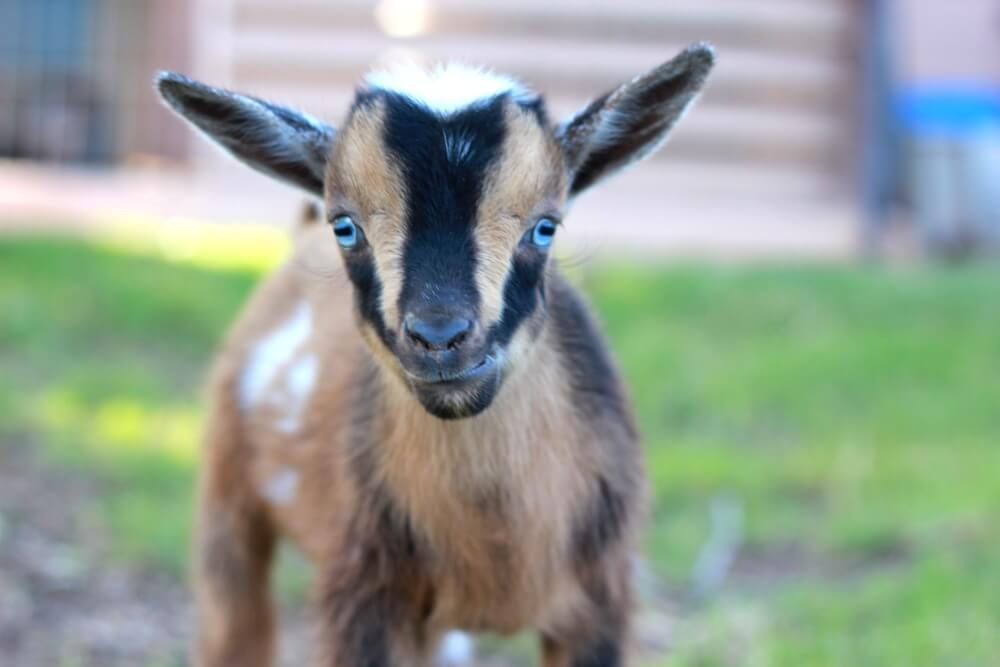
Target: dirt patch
62	602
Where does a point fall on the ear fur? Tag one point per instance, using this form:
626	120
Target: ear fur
632	121
281	142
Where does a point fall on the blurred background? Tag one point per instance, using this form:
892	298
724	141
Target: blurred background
802	288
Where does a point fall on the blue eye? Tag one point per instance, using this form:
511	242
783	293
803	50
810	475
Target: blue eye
345	230
544	231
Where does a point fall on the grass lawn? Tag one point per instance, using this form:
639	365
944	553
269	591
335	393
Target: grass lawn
852	417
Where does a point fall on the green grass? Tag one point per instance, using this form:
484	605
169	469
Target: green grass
102	353
853	415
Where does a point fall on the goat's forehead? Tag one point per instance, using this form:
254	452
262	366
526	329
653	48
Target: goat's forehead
410	147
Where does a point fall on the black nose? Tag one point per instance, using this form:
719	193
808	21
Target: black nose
436	332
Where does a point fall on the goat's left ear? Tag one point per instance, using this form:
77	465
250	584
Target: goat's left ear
633	120
283	143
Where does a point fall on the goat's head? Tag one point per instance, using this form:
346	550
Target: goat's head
444	190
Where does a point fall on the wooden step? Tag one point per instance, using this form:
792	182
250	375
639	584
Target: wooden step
814	27
745	77
726	182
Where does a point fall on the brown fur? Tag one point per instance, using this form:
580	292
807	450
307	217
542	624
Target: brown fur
519	518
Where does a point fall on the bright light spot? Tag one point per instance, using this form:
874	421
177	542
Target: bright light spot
178	239
403	18
189	241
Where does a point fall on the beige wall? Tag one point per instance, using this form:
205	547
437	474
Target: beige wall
947	39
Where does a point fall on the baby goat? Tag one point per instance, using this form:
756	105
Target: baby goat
432	416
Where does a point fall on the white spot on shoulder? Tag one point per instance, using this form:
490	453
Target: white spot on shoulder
299	381
448	88
280	488
271	353
456	649
302	376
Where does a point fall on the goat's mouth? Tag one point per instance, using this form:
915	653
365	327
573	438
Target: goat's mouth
444	378
458	393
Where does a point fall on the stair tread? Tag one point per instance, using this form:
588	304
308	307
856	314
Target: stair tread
742	76
810	26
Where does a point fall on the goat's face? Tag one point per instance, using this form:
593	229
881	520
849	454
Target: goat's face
444	191
445	222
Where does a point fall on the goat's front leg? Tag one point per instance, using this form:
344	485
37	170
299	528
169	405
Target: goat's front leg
602	647
373	605
371	632
370	626
233	553
598	635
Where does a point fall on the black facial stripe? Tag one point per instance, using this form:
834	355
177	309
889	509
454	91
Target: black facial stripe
443	193
522	293
361	270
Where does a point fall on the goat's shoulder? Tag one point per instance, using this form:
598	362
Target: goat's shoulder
296	308
607	515
286	373
596	387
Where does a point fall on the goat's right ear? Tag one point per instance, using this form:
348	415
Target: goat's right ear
632	121
283	143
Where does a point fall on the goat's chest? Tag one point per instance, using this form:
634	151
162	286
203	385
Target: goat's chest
492	567
492	500
494	529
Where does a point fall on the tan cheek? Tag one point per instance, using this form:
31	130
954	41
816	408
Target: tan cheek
519	346
527	176
387	238
383	355
496	241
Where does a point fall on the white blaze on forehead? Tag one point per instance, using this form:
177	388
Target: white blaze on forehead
449	88
456	649
271	353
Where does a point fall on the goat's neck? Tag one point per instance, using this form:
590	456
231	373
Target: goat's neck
525	434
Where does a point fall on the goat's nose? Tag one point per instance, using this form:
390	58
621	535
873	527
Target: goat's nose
436	332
